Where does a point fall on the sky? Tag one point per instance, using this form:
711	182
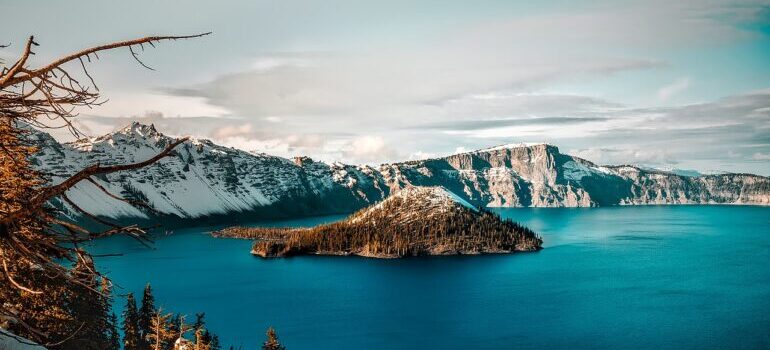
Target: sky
665	84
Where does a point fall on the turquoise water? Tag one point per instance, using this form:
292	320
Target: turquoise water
688	277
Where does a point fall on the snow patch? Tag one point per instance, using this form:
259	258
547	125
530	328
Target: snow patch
10	341
575	171
512	146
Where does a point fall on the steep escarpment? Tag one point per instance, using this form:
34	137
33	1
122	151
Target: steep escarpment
506	176
205	181
656	187
413	221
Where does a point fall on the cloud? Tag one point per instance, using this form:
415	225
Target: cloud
674	88
694	136
369	149
360	82
130	104
420	155
760	156
338	88
470	125
725	134
460	150
625	156
277	61
311	141
233	131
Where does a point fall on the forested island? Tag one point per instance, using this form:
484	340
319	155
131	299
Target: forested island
411	222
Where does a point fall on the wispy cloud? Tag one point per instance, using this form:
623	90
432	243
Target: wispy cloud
674	88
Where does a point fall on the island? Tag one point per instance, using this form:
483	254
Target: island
413	221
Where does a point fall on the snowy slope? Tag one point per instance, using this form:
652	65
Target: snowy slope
10	341
200	179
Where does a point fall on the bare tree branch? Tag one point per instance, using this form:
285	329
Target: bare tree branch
10	79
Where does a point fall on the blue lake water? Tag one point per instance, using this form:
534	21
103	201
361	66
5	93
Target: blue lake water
665	277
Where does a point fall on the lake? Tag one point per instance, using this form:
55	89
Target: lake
664	277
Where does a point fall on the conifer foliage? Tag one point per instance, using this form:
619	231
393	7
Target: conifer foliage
146	313
164	331
132	338
204	339
90	304
160	335
272	342
114	336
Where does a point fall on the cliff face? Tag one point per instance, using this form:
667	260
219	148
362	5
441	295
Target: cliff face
664	188
541	176
205	180
412	221
519	176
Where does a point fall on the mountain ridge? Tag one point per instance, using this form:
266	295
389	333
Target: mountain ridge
203	180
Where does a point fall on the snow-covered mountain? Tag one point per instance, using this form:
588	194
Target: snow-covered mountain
207	181
201	180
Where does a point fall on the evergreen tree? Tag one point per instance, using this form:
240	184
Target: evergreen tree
272	341
177	328
89	305
200	342
160	336
199	321
214	342
206	338
43	298
146	312
114	336
181	327
45	312
131	337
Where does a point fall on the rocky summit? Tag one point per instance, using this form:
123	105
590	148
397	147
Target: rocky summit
204	180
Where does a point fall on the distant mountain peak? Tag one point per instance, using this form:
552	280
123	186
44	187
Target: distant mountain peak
139	129
136	133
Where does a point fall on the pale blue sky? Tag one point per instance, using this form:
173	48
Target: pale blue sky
682	84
